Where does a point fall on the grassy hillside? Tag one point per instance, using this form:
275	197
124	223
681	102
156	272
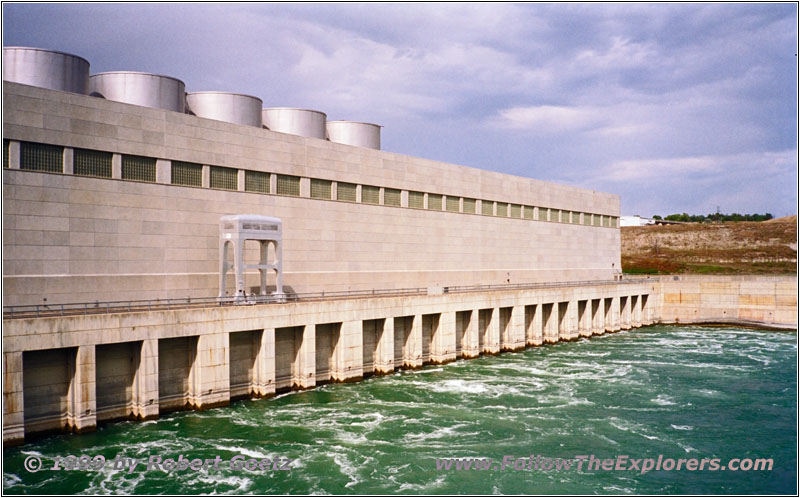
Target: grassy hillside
725	248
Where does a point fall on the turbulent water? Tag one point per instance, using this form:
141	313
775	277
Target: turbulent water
679	392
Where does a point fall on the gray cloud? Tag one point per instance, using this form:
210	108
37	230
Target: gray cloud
677	107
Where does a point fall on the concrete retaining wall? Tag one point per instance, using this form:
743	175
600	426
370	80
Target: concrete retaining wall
767	300
68	373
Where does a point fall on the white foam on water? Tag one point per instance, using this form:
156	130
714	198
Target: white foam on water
346	467
663	400
439	433
459	386
422	371
631	428
10	480
682	427
759	359
238	481
31	453
422	488
238	450
111	481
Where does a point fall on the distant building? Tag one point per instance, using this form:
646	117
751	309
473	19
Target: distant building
635	221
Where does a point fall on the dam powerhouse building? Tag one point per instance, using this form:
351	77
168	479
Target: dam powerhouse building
113	189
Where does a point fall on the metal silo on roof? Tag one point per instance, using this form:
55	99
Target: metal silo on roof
354	133
46	69
223	106
144	89
302	122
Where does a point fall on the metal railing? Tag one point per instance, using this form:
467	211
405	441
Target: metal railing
107	307
540	285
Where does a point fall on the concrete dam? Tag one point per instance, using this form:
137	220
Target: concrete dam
113	189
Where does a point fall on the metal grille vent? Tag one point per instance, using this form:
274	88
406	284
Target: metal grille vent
91	163
370	194
469	206
288	185
190	174
224	178
138	168
528	212
452	204
320	189
346	192
41	157
391	197
435	202
256	181
416	200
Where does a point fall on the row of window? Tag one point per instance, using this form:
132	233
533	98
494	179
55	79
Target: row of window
43	157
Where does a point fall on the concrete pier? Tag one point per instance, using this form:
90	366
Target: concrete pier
71	372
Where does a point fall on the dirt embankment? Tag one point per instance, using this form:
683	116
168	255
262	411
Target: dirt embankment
720	248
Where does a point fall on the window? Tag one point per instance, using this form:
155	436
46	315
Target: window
607	221
416	200
598	220
41	157
6	146
138	168
370	194
469	206
555	215
502	209
190	174
346	192
320	189
452	204
487	208
587	218
91	163
516	211
613	222
288	185
576	217
528	212
224	178
391	197
256	181
435	202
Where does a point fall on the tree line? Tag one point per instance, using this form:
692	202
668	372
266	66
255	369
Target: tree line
715	217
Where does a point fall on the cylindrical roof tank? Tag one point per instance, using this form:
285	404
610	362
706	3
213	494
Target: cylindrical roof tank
223	106
46	69
144	89
353	133
303	122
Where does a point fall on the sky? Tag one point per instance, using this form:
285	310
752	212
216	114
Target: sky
675	107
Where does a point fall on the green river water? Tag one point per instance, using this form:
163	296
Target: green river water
676	391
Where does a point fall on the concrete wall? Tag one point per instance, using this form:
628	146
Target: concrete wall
116	370
175	359
77	239
47	376
760	300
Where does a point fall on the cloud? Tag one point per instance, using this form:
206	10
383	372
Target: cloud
548	119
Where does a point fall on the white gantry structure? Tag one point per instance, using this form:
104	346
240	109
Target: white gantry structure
234	231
